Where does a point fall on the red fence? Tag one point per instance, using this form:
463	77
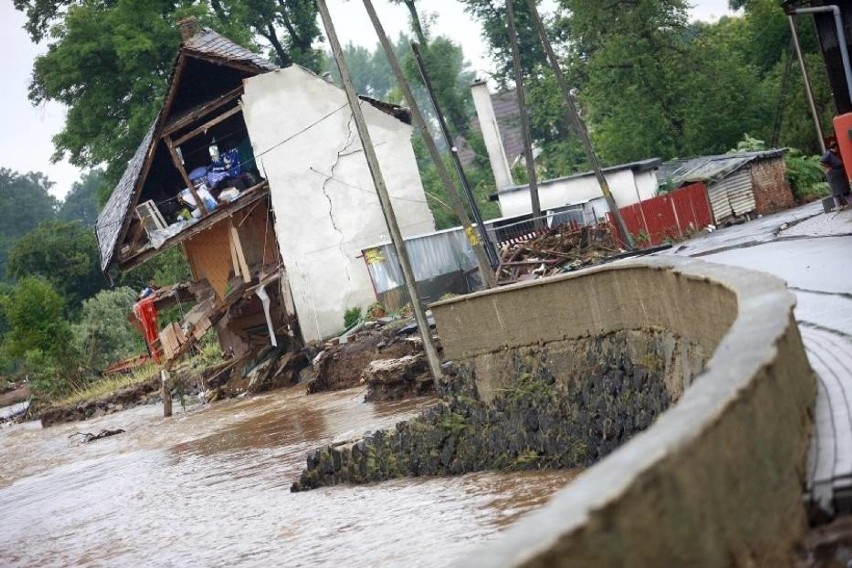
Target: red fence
667	217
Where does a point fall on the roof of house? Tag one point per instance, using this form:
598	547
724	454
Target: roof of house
505	104
209	46
638	166
711	168
205	44
208	43
111	219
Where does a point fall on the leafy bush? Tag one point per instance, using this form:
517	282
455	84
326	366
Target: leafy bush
33	311
351	317
805	176
103	334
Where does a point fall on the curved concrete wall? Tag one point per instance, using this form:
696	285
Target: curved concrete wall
717	479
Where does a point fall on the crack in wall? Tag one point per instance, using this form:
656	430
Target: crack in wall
349	148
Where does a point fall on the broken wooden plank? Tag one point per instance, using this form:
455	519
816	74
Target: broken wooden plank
238	246
182	171
246	199
200	113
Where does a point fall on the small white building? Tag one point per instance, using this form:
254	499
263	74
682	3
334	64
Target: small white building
629	183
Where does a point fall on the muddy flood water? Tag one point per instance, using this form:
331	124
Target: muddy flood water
211	487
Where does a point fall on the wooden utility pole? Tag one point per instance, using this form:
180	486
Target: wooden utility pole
490	250
382	191
525	122
485	267
579	126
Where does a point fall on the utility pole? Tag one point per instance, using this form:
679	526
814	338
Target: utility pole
485	268
525	122
490	250
579	126
382	191
809	92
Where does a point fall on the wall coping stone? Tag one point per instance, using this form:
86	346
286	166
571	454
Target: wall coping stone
761	348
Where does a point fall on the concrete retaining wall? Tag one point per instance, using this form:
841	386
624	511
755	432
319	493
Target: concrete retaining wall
717	480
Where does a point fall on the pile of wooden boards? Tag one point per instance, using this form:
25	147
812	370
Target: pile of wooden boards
551	251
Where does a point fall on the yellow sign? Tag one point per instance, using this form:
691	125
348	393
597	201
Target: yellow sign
472	237
374	256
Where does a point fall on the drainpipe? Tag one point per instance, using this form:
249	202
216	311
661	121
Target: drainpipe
808	89
841	37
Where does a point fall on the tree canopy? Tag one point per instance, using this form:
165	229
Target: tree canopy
63	254
24	203
108	61
81	203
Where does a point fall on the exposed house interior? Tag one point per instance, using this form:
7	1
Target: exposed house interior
193	183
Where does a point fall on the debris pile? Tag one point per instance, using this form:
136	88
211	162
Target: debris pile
560	249
395	379
338	365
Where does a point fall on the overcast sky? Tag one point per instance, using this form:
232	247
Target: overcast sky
25	142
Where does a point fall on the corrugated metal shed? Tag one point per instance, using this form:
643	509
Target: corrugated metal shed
709	169
728	179
731	196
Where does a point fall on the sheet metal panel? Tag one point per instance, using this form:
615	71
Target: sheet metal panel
669	216
719	202
740	192
431	256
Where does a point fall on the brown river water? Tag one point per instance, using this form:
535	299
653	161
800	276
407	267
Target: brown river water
211	487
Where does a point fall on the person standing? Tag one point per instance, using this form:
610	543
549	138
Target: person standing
832	163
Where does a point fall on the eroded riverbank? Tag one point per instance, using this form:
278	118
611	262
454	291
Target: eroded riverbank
211	487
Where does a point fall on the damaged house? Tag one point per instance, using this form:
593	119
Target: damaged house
258	175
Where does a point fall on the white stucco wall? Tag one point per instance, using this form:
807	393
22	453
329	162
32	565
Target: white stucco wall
626	186
325	204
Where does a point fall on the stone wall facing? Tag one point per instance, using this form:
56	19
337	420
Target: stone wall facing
717	479
563	405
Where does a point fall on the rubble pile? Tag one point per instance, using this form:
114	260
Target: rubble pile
560	249
340	364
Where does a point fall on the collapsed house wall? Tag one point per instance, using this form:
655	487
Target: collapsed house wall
326	208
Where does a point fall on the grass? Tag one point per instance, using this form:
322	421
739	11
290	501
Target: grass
109	385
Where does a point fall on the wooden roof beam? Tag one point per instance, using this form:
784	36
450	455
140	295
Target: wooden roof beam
200	113
207	125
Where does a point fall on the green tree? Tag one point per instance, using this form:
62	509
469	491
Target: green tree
34	312
451	79
420	30
65	255
103	334
108	61
733	99
491	14
24	203
81	203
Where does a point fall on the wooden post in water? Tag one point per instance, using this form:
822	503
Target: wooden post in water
166	393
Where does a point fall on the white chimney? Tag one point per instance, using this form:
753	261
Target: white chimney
491	134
